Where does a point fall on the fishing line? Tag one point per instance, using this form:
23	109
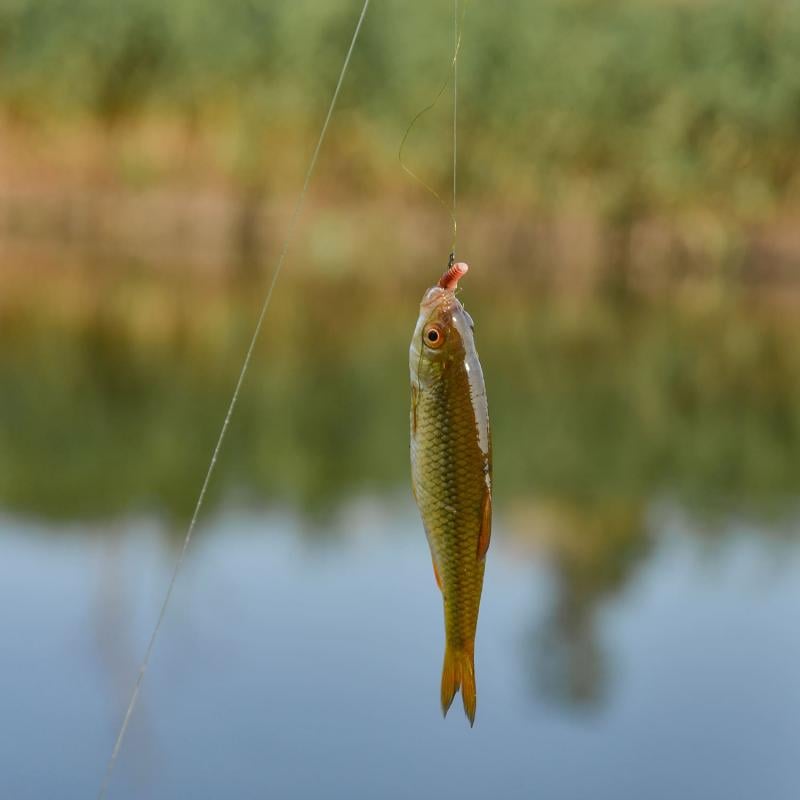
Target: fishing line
231	406
458	25
455	118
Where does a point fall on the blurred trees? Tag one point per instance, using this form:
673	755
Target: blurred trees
629	106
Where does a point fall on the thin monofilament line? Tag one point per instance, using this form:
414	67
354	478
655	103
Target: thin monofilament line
455	111
232	405
451	210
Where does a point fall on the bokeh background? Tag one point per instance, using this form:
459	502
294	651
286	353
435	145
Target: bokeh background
629	202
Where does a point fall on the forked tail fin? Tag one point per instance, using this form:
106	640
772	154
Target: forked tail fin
458	672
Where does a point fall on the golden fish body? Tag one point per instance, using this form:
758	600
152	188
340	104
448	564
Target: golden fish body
451	469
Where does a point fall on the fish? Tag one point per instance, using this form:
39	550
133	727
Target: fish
451	472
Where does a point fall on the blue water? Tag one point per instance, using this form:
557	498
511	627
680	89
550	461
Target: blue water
294	665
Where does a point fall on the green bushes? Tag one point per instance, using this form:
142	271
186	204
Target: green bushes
633	106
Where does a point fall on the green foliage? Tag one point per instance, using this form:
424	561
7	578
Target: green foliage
642	106
611	410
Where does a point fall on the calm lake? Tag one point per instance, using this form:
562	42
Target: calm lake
639	630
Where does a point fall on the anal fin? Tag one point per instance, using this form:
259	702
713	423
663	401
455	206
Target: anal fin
436	575
485	534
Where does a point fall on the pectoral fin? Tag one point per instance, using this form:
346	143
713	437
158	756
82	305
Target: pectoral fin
485	534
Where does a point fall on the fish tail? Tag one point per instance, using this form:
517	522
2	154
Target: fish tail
458	672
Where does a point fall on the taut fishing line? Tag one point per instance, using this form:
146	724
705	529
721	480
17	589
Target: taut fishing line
232	405
456	48
458	25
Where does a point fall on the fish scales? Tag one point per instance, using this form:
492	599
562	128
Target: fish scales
451	473
452	504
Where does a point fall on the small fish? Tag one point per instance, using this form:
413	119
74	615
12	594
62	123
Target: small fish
451	471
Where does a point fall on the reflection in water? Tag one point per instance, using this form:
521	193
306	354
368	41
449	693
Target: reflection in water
113	610
114	411
289	671
117	410
591	550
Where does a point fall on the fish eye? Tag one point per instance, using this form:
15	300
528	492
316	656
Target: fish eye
433	336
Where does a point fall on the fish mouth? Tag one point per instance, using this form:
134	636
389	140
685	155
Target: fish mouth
434	297
439	303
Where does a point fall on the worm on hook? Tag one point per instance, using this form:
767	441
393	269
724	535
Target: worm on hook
452	276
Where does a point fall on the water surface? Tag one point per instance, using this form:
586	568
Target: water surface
293	668
638	635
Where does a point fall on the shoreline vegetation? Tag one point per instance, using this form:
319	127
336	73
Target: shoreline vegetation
616	143
630	186
629	195
622	403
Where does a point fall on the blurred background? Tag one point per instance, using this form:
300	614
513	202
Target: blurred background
629	197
